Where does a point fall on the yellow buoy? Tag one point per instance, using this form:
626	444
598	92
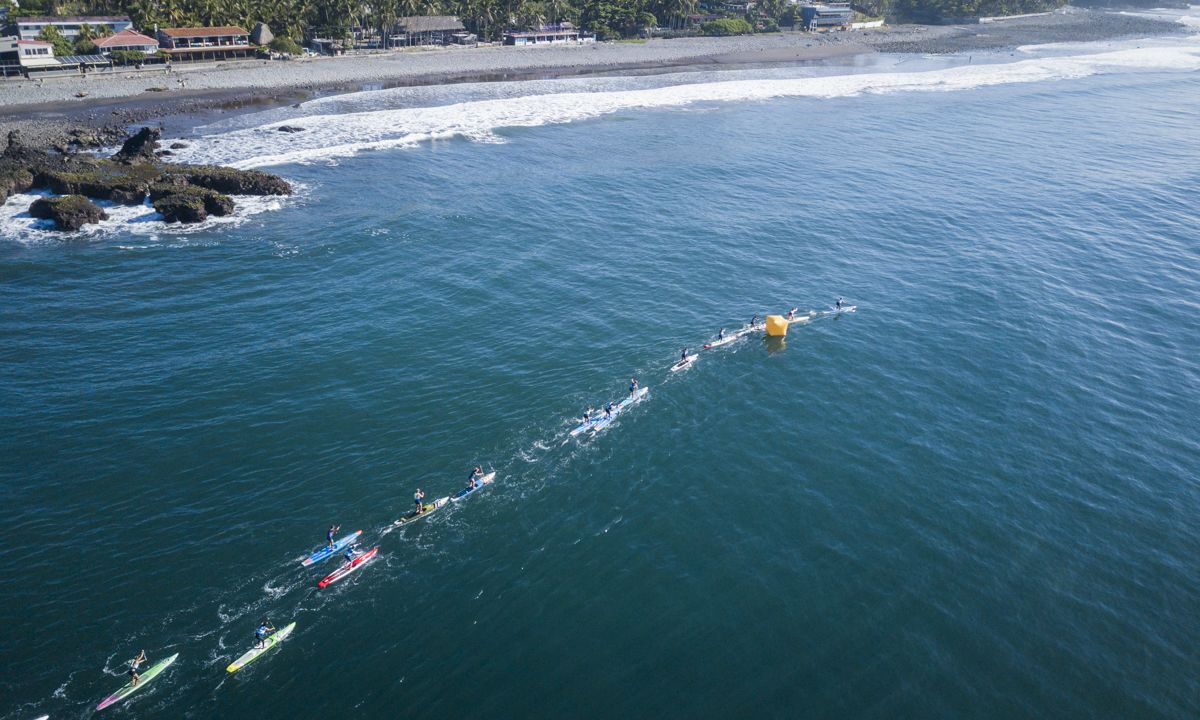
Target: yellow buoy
777	326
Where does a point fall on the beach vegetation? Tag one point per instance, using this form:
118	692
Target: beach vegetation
726	26
62	46
286	45
127	57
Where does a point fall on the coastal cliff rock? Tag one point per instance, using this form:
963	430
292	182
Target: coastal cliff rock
70	212
182	193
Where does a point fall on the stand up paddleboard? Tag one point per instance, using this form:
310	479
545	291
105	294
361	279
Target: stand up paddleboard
685	363
255	653
426	509
151	672
468	490
327	551
348	568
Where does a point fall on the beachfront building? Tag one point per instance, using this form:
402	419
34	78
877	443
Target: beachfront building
205	43
826	16
28	28
29	57
129	40
426	30
549	35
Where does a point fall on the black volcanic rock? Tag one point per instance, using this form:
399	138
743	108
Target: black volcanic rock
70	212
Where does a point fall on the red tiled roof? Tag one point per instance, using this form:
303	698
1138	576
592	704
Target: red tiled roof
203	31
123	38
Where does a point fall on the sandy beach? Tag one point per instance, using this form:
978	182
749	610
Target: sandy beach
43	109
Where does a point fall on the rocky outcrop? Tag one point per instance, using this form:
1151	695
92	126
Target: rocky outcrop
214	202
181	208
69	213
230	181
140	147
183	193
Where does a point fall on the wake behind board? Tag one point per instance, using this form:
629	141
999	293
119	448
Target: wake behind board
254	653
151	672
426	510
327	551
485	480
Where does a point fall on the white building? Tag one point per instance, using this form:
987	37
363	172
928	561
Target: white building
28	28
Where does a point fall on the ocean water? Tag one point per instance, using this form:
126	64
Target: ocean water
975	497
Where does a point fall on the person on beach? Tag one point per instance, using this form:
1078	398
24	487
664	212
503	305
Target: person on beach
329	535
265	628
633	385
134	678
418	498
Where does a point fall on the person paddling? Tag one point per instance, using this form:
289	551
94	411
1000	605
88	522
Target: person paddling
791	314
608	409
754	320
134	678
683	356
329	535
633	385
839	304
721	334
265	628
351	553
418	498
476	475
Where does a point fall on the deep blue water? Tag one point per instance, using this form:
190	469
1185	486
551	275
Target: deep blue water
976	497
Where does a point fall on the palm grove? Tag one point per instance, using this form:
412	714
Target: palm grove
294	21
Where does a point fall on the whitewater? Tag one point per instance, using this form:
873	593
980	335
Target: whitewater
326	136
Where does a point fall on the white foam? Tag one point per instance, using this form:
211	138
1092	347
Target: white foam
330	136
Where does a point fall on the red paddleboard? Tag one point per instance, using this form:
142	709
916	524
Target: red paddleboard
347	568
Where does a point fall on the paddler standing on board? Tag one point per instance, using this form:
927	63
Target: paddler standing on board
418	498
476	474
721	334
329	535
791	314
633	385
754	320
351	552
608	409
265	628
134	678
838	304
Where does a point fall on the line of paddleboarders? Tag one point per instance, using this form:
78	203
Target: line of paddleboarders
474	480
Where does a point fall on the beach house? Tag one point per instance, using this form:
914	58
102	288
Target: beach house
28	28
826	16
128	39
205	43
549	35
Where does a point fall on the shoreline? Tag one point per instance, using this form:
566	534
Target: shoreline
48	113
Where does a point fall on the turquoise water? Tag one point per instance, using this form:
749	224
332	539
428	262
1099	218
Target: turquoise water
976	497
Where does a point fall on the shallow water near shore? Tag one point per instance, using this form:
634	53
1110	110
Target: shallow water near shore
975	497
